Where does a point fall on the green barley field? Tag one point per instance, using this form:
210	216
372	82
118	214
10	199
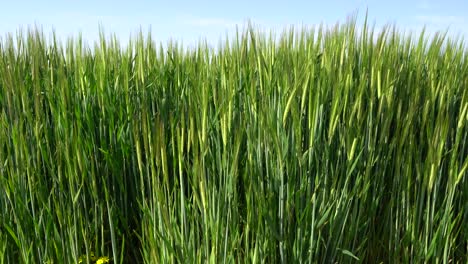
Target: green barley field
341	144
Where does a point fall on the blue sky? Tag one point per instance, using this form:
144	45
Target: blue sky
189	21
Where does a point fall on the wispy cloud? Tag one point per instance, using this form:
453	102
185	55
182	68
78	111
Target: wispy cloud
440	20
455	25
425	5
209	22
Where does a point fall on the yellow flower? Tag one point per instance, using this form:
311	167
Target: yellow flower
103	260
94	259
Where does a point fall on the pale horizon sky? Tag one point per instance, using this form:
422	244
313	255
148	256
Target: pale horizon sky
190	21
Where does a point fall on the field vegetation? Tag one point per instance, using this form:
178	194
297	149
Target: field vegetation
320	145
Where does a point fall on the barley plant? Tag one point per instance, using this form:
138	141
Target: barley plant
341	144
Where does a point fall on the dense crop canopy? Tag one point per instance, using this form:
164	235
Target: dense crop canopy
322	145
